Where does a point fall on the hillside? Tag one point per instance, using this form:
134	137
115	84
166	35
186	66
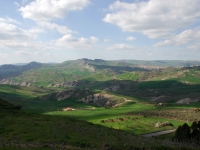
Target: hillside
109	95
7	71
120	79
68	72
33	131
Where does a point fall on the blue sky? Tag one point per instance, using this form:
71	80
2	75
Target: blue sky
60	30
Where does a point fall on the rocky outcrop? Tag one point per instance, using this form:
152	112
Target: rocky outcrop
65	84
90	68
101	99
188	100
51	85
57	85
112	88
163	124
7	81
11	82
73	83
25	84
58	95
84	64
161	98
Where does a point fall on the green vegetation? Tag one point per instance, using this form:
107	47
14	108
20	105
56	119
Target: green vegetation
128	76
184	133
138	95
164	63
184	114
137	124
33	131
169	136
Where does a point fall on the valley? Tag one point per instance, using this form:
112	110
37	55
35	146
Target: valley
123	96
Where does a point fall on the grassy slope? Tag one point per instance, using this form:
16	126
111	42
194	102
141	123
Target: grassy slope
170	82
140	125
33	131
73	70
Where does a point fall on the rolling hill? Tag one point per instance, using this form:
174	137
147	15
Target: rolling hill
120	95
155	85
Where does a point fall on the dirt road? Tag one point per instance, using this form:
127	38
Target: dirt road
158	133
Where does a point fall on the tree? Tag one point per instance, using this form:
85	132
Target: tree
194	125
183	132
194	133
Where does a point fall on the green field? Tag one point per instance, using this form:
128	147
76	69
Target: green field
111	117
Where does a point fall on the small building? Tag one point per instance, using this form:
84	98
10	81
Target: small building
67	109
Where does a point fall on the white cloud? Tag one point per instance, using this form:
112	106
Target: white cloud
17	4
72	42
194	47
58	28
3	55
93	39
2	20
106	40
186	36
11	36
27	53
22	53
130	38
47	54
25	45
16	44
44	10
9	31
9	20
24	1
36	30
120	47
154	18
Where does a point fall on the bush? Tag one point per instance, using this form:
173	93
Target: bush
194	125
183	132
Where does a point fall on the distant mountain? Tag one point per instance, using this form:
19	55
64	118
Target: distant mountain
86	69
156	83
20	64
8	70
164	63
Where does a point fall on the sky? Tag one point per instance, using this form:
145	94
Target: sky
60	30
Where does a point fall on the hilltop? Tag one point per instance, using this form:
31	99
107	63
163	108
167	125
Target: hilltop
8	70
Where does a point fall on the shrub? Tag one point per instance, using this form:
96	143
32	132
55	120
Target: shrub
194	125
183	132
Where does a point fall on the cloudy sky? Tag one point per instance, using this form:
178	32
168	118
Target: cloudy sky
60	30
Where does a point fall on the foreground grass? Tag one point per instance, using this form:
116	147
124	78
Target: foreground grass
168	136
19	130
